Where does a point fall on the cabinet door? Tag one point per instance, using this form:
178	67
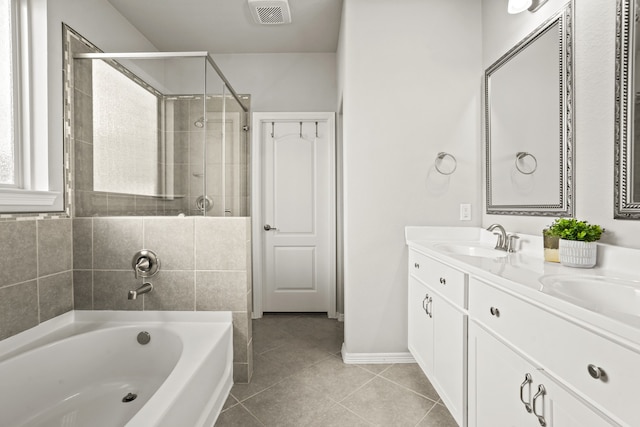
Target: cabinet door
497	379
562	409
496	375
420	326
449	355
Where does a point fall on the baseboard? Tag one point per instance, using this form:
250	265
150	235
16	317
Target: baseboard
375	358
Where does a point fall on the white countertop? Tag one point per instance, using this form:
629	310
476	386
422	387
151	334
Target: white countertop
519	273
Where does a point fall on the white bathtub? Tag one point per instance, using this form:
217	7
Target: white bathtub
74	370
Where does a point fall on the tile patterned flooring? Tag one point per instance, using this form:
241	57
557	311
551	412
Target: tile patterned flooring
299	380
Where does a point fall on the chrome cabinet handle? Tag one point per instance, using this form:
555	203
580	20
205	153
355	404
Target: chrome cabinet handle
425	303
443	281
596	371
267	227
494	311
527	380
416	265
540	394
430	307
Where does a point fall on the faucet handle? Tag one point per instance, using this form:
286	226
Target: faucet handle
511	242
145	263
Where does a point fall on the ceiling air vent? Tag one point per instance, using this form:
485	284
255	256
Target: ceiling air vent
269	12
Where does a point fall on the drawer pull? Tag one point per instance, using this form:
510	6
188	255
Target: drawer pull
596	372
429	307
494	311
443	281
416	265
540	394
527	380
425	303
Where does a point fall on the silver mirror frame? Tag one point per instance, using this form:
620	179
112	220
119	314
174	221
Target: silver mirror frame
565	206
624	206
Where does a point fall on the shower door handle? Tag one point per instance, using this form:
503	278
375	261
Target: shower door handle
267	227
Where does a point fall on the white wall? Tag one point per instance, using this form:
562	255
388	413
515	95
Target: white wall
284	81
410	75
594	62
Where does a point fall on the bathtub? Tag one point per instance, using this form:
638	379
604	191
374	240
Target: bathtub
87	368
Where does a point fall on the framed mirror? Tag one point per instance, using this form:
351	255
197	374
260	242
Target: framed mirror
627	113
529	124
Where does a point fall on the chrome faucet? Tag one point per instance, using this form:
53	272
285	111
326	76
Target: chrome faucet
506	242
145	288
501	244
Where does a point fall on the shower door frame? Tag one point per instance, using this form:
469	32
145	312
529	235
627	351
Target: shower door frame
257	202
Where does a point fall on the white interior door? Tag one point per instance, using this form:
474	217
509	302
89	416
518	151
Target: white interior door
298	215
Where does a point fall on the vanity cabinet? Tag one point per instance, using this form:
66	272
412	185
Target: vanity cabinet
437	328
510	391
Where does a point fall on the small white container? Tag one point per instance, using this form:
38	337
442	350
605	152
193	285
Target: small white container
575	253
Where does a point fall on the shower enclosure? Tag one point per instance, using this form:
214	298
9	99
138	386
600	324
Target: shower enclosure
155	134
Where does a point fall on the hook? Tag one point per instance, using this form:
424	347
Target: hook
300	129
272	129
520	156
440	157
316	129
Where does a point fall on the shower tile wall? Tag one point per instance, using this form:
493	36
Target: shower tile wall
35	272
205	265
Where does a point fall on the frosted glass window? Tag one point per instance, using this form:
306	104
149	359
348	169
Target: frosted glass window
125	134
7	100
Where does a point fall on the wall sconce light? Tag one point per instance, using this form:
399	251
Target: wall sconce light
517	6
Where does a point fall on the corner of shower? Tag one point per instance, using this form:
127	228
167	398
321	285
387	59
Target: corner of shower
158	133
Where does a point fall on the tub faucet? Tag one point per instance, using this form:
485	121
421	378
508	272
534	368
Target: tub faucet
501	244
145	288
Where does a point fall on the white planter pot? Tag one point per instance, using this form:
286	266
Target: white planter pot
574	253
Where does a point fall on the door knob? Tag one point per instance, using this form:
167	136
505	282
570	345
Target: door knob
267	227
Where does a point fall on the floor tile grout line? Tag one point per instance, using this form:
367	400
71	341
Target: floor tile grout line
354	413
252	414
409	389
426	415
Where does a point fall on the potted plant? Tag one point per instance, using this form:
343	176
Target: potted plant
578	246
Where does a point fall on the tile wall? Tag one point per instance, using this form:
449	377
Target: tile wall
205	265
35	272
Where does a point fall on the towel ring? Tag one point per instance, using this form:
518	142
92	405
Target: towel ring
520	155
438	163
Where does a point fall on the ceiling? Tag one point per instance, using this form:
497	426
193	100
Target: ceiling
226	26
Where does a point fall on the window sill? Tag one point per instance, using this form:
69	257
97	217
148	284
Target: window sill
27	198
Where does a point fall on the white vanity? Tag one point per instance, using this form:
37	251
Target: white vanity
509	340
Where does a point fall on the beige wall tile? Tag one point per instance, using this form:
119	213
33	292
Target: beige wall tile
55	246
220	290
18	252
55	295
172	239
221	243
115	241
83	290
18	308
82	243
172	290
110	289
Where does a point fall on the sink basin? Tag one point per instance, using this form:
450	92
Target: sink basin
471	249
602	294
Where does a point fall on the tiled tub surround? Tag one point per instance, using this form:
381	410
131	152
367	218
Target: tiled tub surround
205	266
35	272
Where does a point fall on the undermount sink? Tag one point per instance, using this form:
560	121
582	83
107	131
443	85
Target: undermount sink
471	249
602	294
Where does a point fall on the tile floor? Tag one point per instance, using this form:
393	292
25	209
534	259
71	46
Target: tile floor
299	380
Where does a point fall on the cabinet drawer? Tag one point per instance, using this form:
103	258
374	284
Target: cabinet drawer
448	281
563	349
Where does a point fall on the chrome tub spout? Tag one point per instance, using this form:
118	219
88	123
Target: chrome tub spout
145	288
